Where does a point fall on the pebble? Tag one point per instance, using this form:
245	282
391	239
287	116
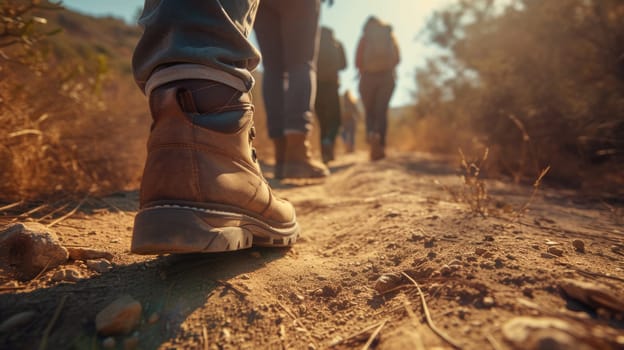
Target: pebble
34	248
579	245
387	282
256	255
226	335
548	256
77	253
555	251
533	333
480	251
99	265
153	318
119	317
17	320
430	242
488	301
67	274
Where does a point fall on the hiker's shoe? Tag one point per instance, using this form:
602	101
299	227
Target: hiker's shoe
298	162
377	151
327	152
202	188
279	146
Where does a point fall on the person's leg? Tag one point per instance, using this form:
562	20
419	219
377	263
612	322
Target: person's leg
268	33
367	94
382	101
202	189
323	113
196	39
299	24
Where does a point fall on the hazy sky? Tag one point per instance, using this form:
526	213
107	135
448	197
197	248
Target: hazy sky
346	17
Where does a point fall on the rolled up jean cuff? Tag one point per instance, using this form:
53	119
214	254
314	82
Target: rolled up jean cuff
194	71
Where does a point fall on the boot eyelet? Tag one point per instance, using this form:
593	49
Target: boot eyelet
254	155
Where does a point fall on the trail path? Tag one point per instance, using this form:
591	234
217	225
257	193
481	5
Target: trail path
396	217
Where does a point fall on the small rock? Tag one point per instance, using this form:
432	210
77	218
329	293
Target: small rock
594	294
429	242
99	265
543	333
488	238
480	251
552	243
432	255
88	254
109	343
256	255
67	274
153	318
392	213
226	335
555	251
311	346
579	245
119	317
31	247
488	301
416	237
548	256
17	320
388	281
445	270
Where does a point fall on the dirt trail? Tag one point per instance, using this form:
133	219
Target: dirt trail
366	220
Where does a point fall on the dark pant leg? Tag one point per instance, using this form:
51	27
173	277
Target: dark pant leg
268	30
385	88
205	32
328	110
298	21
368	92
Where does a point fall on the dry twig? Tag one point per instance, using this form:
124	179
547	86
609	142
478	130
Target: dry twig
493	342
428	316
12	205
374	335
232	287
72	212
355	335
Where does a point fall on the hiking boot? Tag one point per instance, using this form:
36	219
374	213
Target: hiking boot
377	151
202	188
279	146
327	152
298	162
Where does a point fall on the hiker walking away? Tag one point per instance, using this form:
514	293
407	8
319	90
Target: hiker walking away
331	60
376	59
350	117
287	32
202	189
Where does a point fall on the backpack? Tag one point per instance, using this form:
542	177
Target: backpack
379	51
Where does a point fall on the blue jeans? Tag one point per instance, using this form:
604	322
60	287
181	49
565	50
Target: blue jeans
196	39
287	32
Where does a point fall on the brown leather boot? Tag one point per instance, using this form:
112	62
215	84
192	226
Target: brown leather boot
298	162
279	146
202	188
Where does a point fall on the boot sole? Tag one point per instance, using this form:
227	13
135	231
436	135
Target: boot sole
177	229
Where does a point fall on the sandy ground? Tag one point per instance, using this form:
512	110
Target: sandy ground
396	217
